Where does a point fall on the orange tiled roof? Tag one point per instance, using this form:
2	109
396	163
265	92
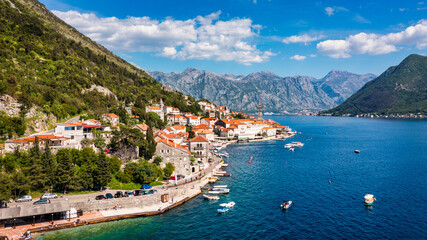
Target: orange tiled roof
204	132
265	128
173	144
199	138
71	124
154	108
112	115
178	127
143	126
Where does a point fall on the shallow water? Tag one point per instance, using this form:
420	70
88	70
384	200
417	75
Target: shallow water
392	165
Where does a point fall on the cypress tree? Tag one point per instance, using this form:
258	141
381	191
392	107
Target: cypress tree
65	170
49	166
36	176
102	172
151	144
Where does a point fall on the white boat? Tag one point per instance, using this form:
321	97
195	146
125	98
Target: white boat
210	197
286	204
219	191
291	149
228	205
294	144
220	186
222	210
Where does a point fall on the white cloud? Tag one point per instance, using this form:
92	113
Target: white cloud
329	11
313	55
302	39
375	44
204	37
298	57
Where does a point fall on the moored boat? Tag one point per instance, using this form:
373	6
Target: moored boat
286	204
357	151
210	197
219	191
291	149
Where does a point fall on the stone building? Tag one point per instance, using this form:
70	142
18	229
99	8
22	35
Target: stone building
176	154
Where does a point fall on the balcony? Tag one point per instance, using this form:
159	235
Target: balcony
199	148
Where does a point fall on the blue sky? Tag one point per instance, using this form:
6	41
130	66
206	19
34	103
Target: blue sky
244	36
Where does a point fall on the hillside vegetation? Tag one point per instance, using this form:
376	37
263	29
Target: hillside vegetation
401	89
48	64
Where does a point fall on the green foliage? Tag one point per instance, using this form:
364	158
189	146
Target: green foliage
157	160
65	170
11	126
168	170
102	171
191	134
99	142
5	187
154	120
42	65
115	184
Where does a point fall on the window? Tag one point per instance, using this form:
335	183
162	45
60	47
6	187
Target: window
69	128
72	137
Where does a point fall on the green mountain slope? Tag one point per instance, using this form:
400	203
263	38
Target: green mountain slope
401	89
48	64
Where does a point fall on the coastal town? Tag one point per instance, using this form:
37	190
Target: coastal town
190	143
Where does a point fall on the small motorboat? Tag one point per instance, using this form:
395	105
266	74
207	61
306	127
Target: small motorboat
286	204
292	149
210	197
212	179
223	210
219	191
357	151
369	200
228	205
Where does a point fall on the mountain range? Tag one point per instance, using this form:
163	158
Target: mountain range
401	89
277	94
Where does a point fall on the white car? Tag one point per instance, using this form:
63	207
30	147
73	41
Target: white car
26	198
49	196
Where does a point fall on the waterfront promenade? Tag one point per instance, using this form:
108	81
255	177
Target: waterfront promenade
96	211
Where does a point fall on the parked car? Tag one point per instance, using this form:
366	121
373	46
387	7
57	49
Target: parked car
146	186
109	196
100	197
26	198
118	194
152	191
129	194
138	192
48	196
42	201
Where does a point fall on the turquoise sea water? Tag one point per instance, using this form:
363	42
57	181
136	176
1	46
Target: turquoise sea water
392	165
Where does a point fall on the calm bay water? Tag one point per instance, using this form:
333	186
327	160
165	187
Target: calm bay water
392	165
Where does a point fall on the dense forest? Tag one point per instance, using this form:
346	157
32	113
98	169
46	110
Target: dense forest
44	67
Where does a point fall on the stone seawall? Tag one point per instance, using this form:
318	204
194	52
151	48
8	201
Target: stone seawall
132	202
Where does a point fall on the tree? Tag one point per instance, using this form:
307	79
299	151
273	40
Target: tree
191	134
99	142
102	171
36	175
169	168
49	166
65	170
151	144
20	183
157	160
5	187
86	142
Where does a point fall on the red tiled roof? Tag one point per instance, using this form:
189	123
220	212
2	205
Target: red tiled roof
154	108
94	126
178	127
143	127
173	144
112	115
71	124
199	138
